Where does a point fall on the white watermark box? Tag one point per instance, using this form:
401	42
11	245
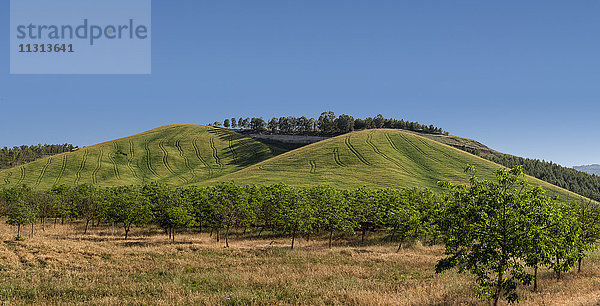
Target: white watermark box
80	37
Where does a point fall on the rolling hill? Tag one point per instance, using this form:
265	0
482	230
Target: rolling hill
374	158
194	154
174	154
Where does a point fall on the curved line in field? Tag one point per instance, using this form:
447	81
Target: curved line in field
148	160
62	170
336	157
130	159
376	150
22	177
215	153
199	156
39	179
111	156
185	159
97	169
81	167
355	152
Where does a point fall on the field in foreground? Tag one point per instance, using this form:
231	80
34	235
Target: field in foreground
59	265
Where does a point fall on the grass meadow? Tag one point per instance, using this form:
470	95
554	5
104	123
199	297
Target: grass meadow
59	265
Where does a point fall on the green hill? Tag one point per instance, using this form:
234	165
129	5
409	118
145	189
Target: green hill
373	158
194	154
174	154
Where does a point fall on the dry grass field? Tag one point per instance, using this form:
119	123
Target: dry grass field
61	266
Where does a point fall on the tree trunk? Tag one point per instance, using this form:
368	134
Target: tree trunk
173	234
330	236
293	237
55	220
86	226
260	232
227	237
307	237
557	268
364	232
399	247
18	230
126	232
218	235
498	287
579	265
535	270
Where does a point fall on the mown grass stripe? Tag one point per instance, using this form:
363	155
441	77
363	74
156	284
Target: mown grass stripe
313	166
130	158
336	157
111	156
62	170
148	159
370	142
355	152
97	169
81	167
7	178
39	179
199	156
185	159
215	153
22	177
165	156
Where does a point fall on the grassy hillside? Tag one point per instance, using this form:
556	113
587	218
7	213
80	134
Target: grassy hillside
374	158
174	154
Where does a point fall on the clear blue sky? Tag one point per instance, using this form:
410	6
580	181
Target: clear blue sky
522	77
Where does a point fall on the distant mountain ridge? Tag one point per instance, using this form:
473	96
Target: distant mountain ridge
591	169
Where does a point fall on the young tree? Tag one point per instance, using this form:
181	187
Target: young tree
233	123
226	123
484	230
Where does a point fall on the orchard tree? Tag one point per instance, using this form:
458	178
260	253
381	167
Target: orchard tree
226	123
484	233
233	123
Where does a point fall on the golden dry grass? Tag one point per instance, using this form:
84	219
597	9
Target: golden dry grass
62	266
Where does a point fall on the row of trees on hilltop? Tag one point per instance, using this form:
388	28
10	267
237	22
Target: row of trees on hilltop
500	231
327	124
12	157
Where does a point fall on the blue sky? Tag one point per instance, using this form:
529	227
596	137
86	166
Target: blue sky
520	76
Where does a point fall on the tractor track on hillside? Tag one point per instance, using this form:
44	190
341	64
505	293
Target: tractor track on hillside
22	177
165	156
186	161
7	178
148	160
130	158
313	166
215	153
336	157
97	169
412	144
233	153
438	150
435	149
63	166
81	167
199	156
376	150
39	179
355	152
111	156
